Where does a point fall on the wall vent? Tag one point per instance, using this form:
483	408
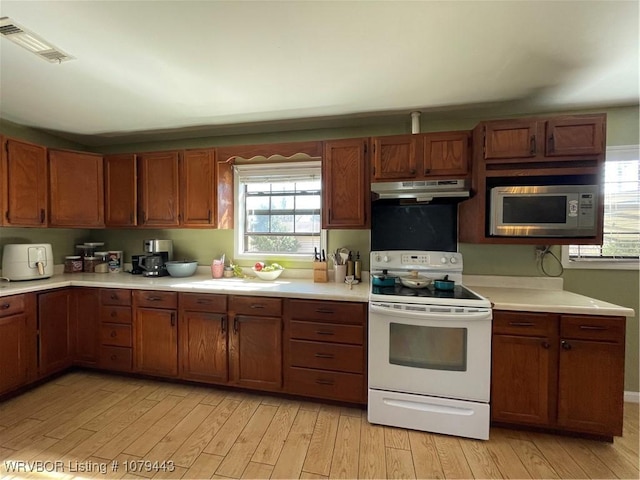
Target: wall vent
32	42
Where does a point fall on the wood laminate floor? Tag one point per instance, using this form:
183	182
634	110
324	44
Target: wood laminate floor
91	421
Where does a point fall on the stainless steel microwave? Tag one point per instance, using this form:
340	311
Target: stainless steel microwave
544	211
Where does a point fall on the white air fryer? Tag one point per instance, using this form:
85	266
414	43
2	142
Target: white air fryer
27	261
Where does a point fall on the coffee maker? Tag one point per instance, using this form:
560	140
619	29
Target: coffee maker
157	254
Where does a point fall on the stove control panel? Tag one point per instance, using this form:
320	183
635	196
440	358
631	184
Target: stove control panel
416	260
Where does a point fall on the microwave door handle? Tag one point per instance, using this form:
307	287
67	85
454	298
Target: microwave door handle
433	315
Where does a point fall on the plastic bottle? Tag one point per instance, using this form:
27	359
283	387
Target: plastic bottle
358	267
349	265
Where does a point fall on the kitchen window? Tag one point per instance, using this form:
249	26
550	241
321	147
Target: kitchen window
278	215
621	237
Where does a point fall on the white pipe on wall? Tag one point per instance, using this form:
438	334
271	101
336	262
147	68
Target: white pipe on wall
415	122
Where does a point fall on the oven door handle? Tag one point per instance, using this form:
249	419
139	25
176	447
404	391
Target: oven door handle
484	315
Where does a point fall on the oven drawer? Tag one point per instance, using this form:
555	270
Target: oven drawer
114	314
585	327
525	324
115	335
347	387
203	302
327	332
338	312
261	306
327	356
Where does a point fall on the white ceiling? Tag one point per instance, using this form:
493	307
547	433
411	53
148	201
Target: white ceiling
148	65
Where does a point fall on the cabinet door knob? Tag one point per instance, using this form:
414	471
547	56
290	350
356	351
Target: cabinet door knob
551	144
114	314
546	345
566	345
427	171
114	357
532	145
412	171
5	306
113	333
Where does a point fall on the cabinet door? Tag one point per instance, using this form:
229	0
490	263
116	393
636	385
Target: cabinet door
158	189
575	136
76	189
24	181
345	184
156	344
395	157
198	188
446	153
54	319
522	376
17	355
203	346
255	353
85	317
510	139
590	386
120	185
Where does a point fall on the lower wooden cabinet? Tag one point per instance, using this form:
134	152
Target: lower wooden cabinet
325	354
84	320
155	325
18	331
562	372
55	327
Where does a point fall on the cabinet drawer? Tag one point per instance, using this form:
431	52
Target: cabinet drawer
115	296
585	327
11	305
327	332
203	302
115	314
525	324
262	306
153	299
338	312
115	335
115	358
347	387
327	356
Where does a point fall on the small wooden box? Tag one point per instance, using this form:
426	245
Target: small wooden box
320	274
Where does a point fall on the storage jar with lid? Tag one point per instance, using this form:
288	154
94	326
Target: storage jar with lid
102	264
72	264
90	264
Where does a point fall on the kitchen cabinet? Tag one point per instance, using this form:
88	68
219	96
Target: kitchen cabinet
255	342
346	201
156	333
421	156
532	151
23	177
198	187
84	327
544	367
158	189
120	190
202	334
18	331
115	330
325	353
54	322
76	189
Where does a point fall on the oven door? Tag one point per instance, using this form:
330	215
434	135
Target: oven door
439	351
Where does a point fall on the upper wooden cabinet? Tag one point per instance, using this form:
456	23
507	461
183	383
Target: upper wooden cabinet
198	188
120	190
76	191
417	156
158	183
23	177
346	201
536	139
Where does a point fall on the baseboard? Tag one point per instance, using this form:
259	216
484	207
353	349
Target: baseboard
632	397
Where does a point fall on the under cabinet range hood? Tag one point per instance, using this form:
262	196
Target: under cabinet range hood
420	190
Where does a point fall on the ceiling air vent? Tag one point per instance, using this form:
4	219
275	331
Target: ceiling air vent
32	42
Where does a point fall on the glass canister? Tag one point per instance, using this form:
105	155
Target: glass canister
102	264
90	264
72	264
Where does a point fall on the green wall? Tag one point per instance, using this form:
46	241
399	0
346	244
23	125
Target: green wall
618	287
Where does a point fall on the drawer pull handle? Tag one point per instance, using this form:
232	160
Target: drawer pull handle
223	324
5	306
324	332
113	333
592	327
173	319
154	299
257	306
522	324
203	301
235	325
324	355
320	381
324	310
114	357
566	345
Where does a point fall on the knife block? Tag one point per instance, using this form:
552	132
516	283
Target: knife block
320	274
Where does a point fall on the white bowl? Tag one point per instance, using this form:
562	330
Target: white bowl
272	275
181	268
